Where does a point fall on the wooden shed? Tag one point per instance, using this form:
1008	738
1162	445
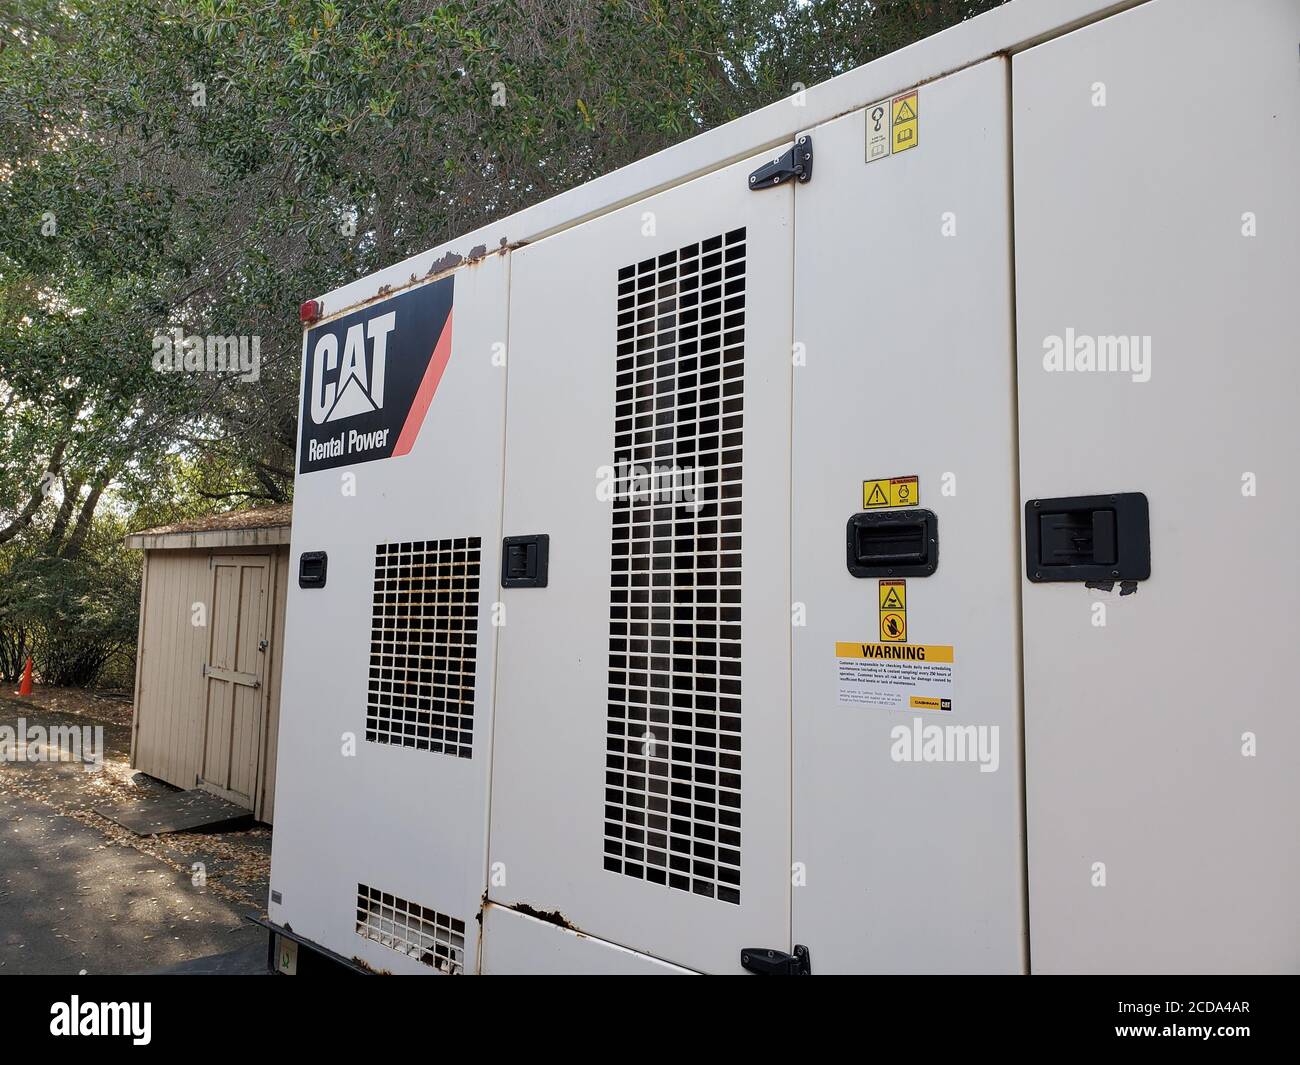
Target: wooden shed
207	680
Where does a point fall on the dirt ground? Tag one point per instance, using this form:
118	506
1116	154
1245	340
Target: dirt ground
78	892
109	708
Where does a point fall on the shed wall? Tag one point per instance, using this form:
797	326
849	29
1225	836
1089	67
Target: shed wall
170	698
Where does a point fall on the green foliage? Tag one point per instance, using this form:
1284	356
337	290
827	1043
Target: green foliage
208	164
76	617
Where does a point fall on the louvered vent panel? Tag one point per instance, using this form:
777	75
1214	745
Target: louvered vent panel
432	938
423	645
672	798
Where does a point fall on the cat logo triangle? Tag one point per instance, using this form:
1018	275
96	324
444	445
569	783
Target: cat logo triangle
353	399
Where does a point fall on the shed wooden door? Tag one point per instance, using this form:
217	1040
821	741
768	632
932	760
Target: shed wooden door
234	676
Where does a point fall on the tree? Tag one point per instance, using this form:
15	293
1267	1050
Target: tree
195	168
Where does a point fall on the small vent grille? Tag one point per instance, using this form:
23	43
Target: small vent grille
672	767
432	938
423	642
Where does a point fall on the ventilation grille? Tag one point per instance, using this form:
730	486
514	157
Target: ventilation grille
672	797
423	642
431	938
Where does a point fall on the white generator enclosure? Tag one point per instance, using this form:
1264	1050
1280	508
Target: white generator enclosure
858	539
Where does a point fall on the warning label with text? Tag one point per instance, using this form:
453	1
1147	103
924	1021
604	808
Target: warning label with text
895	676
891	492
893	125
905	122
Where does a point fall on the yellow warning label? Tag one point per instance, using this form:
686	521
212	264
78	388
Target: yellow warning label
875	494
893	611
904	652
905	122
893	626
896	676
891	492
904	491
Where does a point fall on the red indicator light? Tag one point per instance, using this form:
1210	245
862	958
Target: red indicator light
309	311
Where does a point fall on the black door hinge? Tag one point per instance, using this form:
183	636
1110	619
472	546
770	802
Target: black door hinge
777	962
796	163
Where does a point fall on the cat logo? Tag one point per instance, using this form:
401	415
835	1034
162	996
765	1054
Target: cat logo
359	385
369	377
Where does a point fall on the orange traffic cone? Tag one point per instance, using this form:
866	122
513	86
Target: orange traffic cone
25	688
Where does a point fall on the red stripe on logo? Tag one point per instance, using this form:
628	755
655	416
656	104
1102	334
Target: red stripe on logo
428	386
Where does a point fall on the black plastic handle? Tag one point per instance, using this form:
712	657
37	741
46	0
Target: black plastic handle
893	544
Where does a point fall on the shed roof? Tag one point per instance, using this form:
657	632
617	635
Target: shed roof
236	528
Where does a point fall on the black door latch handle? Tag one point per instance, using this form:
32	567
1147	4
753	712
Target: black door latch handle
1088	538
312	569
900	543
766	962
525	561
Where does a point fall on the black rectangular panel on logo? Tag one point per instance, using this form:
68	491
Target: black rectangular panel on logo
369	377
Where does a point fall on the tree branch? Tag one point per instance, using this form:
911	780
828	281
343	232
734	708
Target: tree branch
38	495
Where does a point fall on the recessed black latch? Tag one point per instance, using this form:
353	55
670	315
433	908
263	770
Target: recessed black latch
893	543
524	560
311	569
795	163
767	962
1088	538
